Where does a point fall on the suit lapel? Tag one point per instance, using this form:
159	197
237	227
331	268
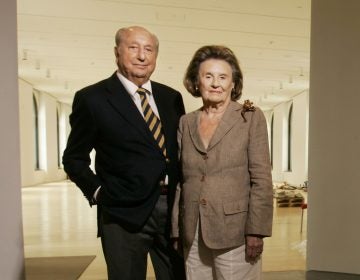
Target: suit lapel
119	98
228	120
162	104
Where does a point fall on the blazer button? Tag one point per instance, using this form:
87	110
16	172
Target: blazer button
167	160
205	157
202	179
203	201
162	183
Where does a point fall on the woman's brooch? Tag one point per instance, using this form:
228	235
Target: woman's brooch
247	106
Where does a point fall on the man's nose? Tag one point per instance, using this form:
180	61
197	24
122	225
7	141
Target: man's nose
141	54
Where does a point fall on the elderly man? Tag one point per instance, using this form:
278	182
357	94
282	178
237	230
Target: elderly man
131	122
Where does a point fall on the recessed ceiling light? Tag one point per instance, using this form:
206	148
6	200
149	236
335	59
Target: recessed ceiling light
291	79
37	64
301	72
24	55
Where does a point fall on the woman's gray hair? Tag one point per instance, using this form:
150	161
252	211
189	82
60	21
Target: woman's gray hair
191	78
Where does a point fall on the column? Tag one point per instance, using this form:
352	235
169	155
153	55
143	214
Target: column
334	137
11	234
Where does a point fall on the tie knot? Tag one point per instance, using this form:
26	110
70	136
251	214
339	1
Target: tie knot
141	91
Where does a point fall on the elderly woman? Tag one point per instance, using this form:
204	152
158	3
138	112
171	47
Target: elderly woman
224	205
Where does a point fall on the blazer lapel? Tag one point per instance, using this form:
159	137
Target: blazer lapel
229	119
193	123
119	98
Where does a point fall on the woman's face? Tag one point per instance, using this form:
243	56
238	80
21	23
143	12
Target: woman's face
215	81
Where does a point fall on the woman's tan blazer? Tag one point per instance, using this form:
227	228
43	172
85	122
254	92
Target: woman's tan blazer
226	187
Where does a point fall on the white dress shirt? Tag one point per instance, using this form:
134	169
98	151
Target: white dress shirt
131	88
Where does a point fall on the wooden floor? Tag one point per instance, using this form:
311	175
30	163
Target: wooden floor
58	221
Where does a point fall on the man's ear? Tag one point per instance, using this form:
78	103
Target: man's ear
116	52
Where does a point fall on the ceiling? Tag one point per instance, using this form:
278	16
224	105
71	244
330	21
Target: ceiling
66	45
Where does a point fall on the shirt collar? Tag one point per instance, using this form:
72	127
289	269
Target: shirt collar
130	87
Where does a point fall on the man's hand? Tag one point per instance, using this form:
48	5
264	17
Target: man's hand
177	245
254	248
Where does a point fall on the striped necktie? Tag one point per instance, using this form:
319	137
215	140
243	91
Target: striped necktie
152	120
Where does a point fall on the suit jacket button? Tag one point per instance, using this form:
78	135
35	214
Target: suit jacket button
205	157
203	201
167	160
162	183
202	179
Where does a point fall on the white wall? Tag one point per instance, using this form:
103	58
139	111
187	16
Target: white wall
299	146
47	106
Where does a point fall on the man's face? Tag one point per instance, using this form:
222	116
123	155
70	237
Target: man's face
136	55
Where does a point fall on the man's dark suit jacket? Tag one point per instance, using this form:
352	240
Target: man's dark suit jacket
129	164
